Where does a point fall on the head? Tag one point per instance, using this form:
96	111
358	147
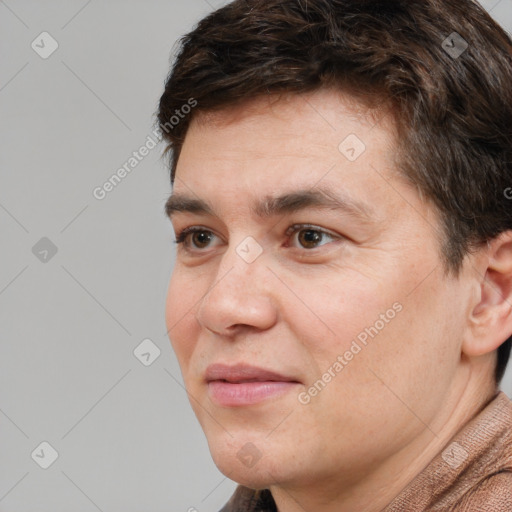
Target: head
403	288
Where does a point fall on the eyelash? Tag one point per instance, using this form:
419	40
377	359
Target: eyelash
182	236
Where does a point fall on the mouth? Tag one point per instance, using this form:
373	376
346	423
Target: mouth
243	385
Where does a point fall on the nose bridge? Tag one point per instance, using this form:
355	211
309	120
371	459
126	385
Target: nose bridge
242	264
238	294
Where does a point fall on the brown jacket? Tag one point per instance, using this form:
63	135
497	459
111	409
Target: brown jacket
473	473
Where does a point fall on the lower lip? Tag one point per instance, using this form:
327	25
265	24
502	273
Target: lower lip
231	394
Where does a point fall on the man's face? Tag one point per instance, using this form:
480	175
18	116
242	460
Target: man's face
354	308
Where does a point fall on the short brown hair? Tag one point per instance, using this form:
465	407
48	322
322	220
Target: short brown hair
444	66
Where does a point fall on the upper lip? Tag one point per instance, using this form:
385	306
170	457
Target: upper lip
243	373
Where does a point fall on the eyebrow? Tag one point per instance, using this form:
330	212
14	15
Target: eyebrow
270	206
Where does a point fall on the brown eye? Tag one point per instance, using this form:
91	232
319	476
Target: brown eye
194	238
201	238
309	238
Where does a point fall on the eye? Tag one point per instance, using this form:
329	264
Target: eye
200	237
309	236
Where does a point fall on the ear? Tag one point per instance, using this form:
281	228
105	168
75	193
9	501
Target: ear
491	318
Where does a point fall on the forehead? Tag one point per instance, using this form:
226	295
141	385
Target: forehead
276	144
319	126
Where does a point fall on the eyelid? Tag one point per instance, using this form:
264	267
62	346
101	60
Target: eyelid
304	225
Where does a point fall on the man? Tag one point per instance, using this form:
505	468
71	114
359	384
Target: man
341	301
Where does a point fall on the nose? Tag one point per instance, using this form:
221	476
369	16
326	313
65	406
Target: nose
239	295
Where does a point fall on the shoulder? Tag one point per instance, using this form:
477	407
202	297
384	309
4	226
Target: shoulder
493	494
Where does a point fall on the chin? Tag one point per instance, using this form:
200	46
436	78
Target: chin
248	460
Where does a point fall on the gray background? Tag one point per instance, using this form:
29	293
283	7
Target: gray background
126	437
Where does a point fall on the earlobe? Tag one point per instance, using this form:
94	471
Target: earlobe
491	318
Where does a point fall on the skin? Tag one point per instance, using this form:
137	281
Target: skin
294	310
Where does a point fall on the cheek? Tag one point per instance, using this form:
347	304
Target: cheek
179	316
370	344
334	324
339	309
375	325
